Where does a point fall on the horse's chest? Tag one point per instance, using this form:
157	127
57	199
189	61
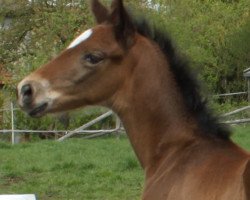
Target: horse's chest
179	185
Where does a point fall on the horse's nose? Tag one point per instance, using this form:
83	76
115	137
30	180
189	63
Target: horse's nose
26	93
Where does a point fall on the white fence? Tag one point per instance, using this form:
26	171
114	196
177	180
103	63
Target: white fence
237	121
230	94
82	130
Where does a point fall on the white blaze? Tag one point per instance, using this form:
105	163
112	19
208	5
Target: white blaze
84	36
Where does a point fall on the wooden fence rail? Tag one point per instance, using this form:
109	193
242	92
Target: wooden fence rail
236	111
98	119
238	121
230	94
80	132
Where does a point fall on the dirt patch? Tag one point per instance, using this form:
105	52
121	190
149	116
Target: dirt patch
11	180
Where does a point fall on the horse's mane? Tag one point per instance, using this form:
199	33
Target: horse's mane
186	81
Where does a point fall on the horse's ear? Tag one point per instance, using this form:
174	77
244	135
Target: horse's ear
100	11
122	23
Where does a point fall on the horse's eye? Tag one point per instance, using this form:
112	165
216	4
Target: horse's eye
93	59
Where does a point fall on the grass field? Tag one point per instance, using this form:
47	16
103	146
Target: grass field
100	169
75	169
242	136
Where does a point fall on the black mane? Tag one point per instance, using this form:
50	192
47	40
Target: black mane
186	81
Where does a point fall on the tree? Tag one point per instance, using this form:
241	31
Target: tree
38	30
214	34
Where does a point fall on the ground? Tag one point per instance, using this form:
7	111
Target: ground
99	169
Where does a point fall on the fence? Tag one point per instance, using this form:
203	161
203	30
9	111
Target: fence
238	121
82	130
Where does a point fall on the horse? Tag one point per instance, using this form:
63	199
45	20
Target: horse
132	67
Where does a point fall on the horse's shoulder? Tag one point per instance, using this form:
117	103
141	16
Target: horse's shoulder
246	177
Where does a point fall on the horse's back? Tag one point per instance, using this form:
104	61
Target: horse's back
247	180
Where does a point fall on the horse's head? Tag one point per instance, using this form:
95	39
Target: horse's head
89	71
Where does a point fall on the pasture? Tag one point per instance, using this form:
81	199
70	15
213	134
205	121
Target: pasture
76	169
104	168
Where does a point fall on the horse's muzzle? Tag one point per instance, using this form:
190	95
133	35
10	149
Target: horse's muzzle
27	93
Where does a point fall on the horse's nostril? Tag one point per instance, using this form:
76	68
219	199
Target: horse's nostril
27	92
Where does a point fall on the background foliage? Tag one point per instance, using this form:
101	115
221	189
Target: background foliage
214	34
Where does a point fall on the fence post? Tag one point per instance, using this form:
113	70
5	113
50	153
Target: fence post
248	83
117	125
12	124
117	122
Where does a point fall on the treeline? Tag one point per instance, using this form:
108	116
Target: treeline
215	34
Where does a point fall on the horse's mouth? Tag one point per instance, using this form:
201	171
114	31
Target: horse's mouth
39	110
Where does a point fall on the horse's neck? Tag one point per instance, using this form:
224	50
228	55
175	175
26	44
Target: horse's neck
152	110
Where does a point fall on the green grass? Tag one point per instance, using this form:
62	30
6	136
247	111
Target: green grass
75	169
242	136
100	169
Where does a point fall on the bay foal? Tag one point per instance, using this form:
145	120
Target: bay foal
132	68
